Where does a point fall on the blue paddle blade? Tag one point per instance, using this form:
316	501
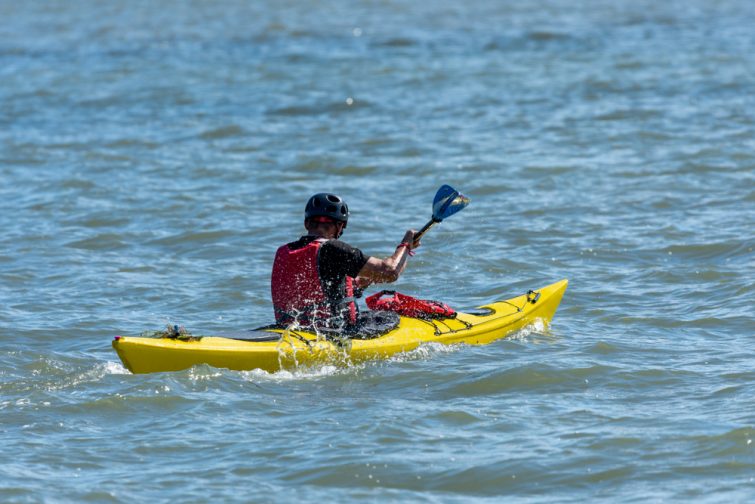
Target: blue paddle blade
447	202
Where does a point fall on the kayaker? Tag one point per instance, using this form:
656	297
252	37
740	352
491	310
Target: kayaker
316	278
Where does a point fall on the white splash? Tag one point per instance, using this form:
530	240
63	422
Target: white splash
115	368
538	327
301	373
424	352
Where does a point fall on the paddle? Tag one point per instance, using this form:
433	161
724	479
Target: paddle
447	202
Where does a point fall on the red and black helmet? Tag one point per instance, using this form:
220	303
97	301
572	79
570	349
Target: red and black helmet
327	205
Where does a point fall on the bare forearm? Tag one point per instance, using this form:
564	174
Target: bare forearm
390	269
396	264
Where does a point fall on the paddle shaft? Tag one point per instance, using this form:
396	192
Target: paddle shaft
426	228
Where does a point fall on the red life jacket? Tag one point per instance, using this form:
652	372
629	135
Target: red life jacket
298	292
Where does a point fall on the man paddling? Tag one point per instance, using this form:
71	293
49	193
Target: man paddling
316	279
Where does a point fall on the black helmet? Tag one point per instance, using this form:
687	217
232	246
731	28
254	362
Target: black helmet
327	205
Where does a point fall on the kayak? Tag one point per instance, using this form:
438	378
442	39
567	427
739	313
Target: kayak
273	349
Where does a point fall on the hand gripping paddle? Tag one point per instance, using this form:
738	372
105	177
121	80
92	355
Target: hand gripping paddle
447	202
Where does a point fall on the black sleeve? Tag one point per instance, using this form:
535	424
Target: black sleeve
338	258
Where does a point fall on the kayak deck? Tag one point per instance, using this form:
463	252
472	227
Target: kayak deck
291	348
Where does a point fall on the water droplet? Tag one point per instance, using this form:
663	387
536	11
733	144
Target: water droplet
349	101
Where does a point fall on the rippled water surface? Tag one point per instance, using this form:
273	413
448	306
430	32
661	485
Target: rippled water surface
153	155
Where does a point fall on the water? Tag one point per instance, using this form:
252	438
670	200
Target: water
154	155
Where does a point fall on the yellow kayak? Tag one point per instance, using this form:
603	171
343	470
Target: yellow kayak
275	349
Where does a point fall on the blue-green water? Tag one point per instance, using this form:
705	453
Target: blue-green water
154	154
